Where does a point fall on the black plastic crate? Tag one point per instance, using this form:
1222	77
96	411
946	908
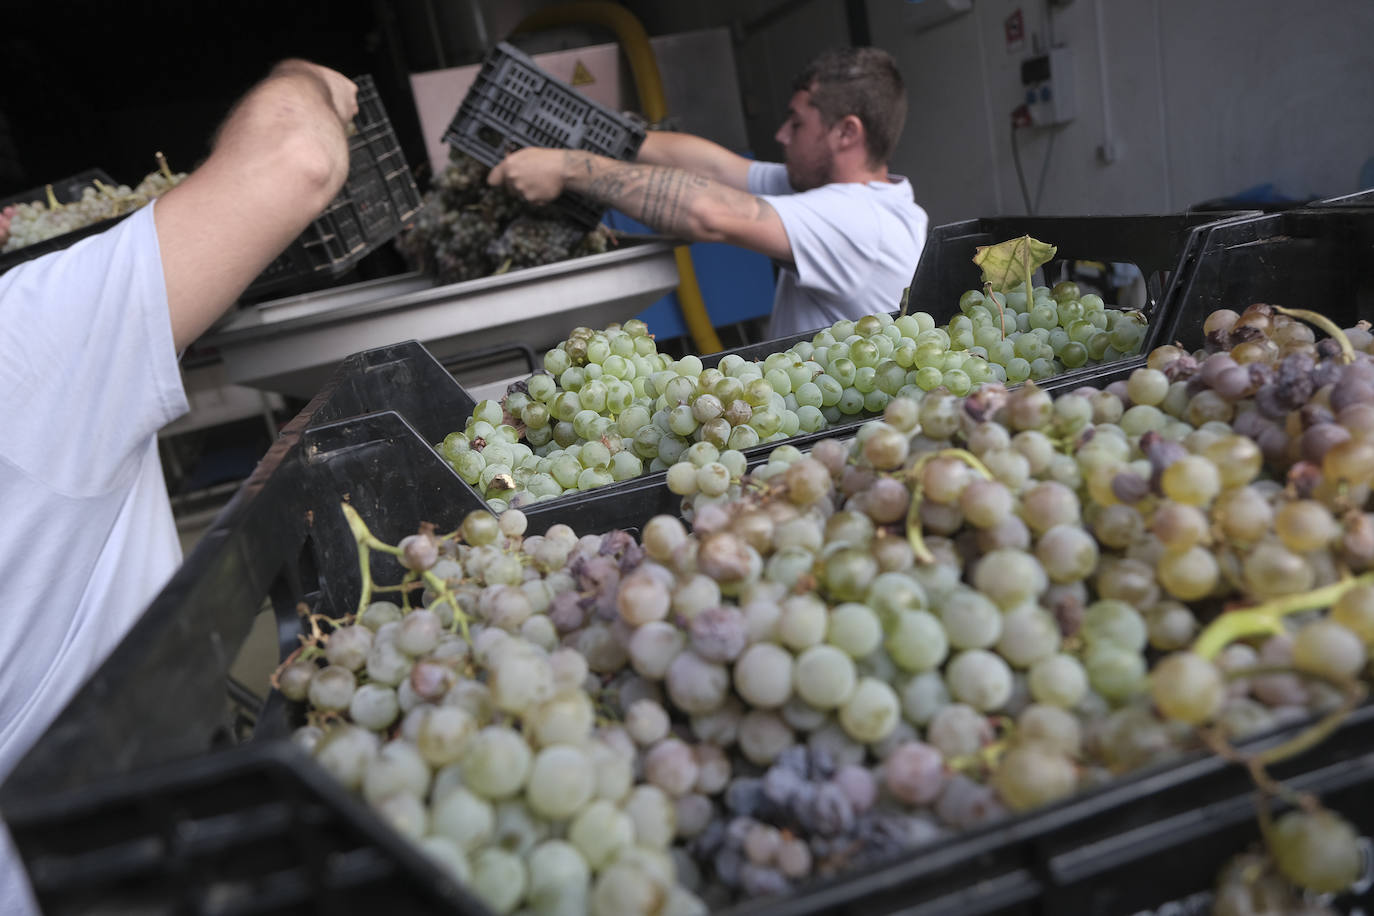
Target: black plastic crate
1315	258
378	198
1157	244
404	377
65	191
513	104
137	798
1363	198
429	403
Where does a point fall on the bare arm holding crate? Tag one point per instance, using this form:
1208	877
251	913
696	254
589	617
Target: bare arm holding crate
697	155
670	200
278	160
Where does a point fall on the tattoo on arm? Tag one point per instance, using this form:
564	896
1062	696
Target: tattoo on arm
660	197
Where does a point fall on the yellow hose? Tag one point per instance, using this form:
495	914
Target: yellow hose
644	68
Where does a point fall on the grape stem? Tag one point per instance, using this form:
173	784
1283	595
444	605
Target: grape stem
986	758
1268	786
987	294
913	515
1353	693
1256	763
162	165
1266	618
367	542
53	203
1327	325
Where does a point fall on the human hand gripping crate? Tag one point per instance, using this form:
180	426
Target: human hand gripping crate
378	198
514	104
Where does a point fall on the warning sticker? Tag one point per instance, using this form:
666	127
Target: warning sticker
581	75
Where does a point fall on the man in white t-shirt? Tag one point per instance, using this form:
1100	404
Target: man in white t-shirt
845	233
89	338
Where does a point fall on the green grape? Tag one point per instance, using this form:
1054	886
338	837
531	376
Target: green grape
1074	354
843	371
851	402
779	381
958	382
866	379
808	394
556	362
889	377
1187	688
758	393
728	389
1003	353
1317	850
1044	317
574	378
592	395
929	378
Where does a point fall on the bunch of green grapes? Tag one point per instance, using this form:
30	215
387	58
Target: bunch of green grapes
1059	329
609	406
39	221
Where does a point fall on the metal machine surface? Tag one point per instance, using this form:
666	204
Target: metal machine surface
291	345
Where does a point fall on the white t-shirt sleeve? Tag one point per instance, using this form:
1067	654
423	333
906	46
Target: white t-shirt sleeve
834	238
87	359
766	178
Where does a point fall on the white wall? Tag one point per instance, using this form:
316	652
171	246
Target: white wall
1204	99
766	59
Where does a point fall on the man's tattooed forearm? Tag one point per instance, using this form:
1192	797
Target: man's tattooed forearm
667	195
612	183
660	196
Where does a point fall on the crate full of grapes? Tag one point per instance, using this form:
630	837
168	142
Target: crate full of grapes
955	669
609	407
62	213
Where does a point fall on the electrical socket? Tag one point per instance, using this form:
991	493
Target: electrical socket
1108	151
1049	91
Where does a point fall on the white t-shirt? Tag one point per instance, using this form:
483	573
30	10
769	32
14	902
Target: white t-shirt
854	246
88	371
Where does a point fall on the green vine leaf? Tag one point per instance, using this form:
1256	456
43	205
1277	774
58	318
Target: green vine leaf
1014	261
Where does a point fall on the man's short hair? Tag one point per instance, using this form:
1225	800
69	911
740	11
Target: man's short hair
863	82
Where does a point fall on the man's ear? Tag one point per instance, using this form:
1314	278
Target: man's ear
849	131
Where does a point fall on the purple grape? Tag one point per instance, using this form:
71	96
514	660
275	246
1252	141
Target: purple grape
757	881
828	811
718	634
914	773
1269	403
728	862
744	795
781	785
965	804
858	785
795	758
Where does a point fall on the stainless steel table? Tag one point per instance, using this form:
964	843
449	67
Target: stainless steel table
292	345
